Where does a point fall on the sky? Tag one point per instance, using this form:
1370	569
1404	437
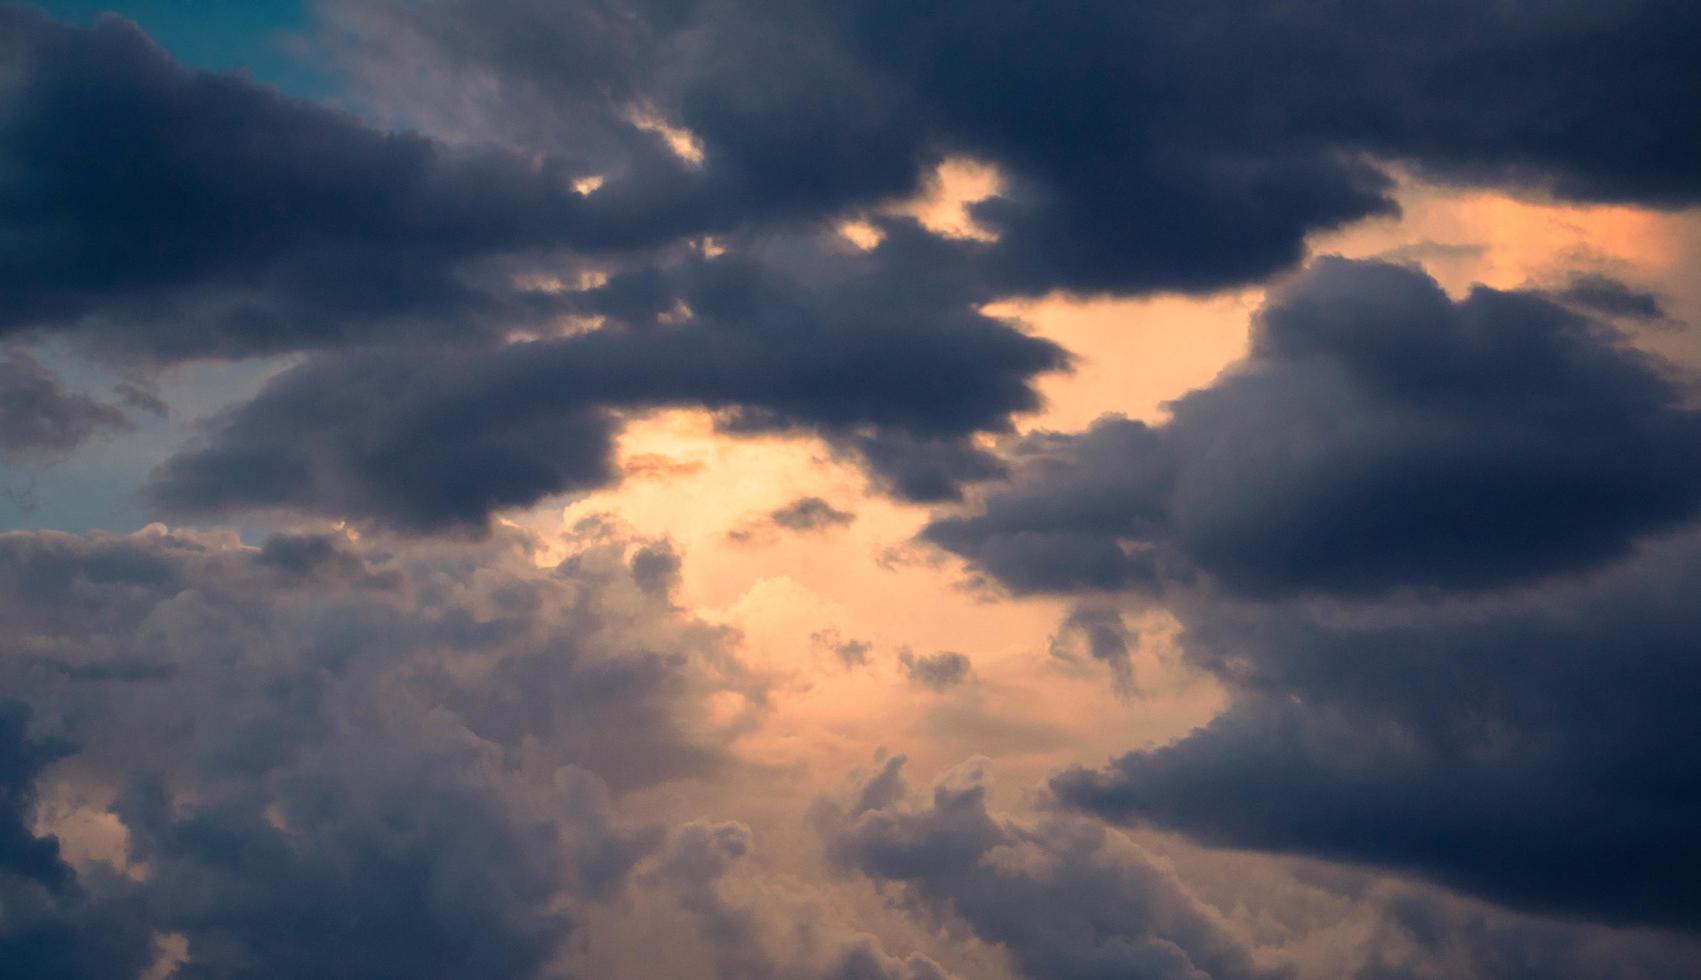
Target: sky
850	489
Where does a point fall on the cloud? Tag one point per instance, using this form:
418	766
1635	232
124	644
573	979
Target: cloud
938	672
432	440
810	514
1607	296
177	214
1185	147
51	926
1379	436
1065	897
1533	749
805	515
851	653
1437	552
1419	935
1101	632
362	758
39	417
246	222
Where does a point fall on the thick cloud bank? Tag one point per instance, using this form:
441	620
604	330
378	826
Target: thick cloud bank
1379	436
1440	551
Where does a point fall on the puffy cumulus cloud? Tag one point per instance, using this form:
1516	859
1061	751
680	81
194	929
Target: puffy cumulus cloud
39	417
438	439
1065	897
343	758
1186	145
1379	436
1536	749
173	213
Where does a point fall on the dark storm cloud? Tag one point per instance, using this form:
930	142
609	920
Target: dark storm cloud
39	417
1428	547
1419	935
179	214
1065	897
361	759
420	442
1539	750
697	862
1379	436
431	440
805	515
172	214
1188	145
851	653
175	213
1149	146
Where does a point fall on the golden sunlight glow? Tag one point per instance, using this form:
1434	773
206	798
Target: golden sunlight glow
943	206
681	141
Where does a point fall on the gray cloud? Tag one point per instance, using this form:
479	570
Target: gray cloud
1187	146
1100	630
438	439
1065	897
1534	749
177	214
39	417
1379	436
355	758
